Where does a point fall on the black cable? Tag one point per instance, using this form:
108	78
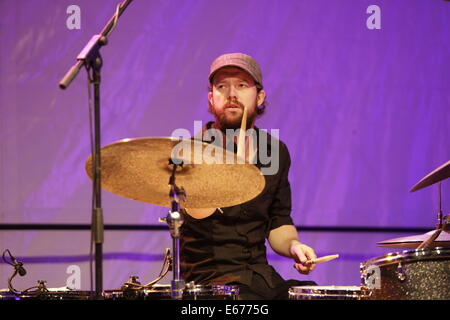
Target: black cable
167	264
18	269
4	258
39	289
10	286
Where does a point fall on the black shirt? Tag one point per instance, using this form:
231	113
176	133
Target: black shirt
229	247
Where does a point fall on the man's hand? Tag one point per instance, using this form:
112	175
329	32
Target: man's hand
284	241
302	253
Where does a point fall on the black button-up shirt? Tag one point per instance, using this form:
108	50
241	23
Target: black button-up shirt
229	247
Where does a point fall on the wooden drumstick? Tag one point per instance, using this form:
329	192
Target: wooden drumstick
241	140
322	259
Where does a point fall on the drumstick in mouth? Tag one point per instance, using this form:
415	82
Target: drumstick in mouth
322	259
241	139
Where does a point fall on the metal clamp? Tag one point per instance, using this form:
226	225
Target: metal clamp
401	275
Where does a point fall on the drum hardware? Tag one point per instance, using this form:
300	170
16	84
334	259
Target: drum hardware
440	226
6	294
370	277
214	292
440	237
134	288
174	220
409	275
401	272
134	280
40	291
328	293
18	269
132	284
139	169
36	291
437	175
41	286
191	291
422	273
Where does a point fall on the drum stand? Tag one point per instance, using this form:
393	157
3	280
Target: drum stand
174	220
442	225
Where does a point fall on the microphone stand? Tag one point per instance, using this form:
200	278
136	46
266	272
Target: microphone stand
175	220
90	58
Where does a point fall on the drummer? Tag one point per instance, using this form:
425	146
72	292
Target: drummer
227	245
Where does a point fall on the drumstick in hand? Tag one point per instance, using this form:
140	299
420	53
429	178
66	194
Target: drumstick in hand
322	259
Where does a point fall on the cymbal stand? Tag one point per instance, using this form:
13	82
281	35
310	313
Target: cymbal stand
174	220
441	226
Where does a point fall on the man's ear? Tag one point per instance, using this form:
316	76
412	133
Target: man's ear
261	97
210	98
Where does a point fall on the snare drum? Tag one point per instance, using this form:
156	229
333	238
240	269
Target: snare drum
409	275
327	293
163	292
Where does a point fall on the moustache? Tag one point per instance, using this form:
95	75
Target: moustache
234	104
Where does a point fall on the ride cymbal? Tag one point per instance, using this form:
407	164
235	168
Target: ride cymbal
139	169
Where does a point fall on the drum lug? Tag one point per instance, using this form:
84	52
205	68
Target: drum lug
401	275
364	277
190	285
371	277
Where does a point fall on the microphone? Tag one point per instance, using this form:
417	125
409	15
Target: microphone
16	264
19	267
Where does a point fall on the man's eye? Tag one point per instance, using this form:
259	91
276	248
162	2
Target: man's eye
243	85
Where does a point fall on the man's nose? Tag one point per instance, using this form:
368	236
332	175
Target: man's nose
232	92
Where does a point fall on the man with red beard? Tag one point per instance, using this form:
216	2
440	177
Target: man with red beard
227	245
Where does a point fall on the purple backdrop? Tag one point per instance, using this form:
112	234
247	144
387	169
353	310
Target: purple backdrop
365	114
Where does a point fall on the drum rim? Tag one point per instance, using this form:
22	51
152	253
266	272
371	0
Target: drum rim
357	292
408	256
331	287
197	289
59	295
